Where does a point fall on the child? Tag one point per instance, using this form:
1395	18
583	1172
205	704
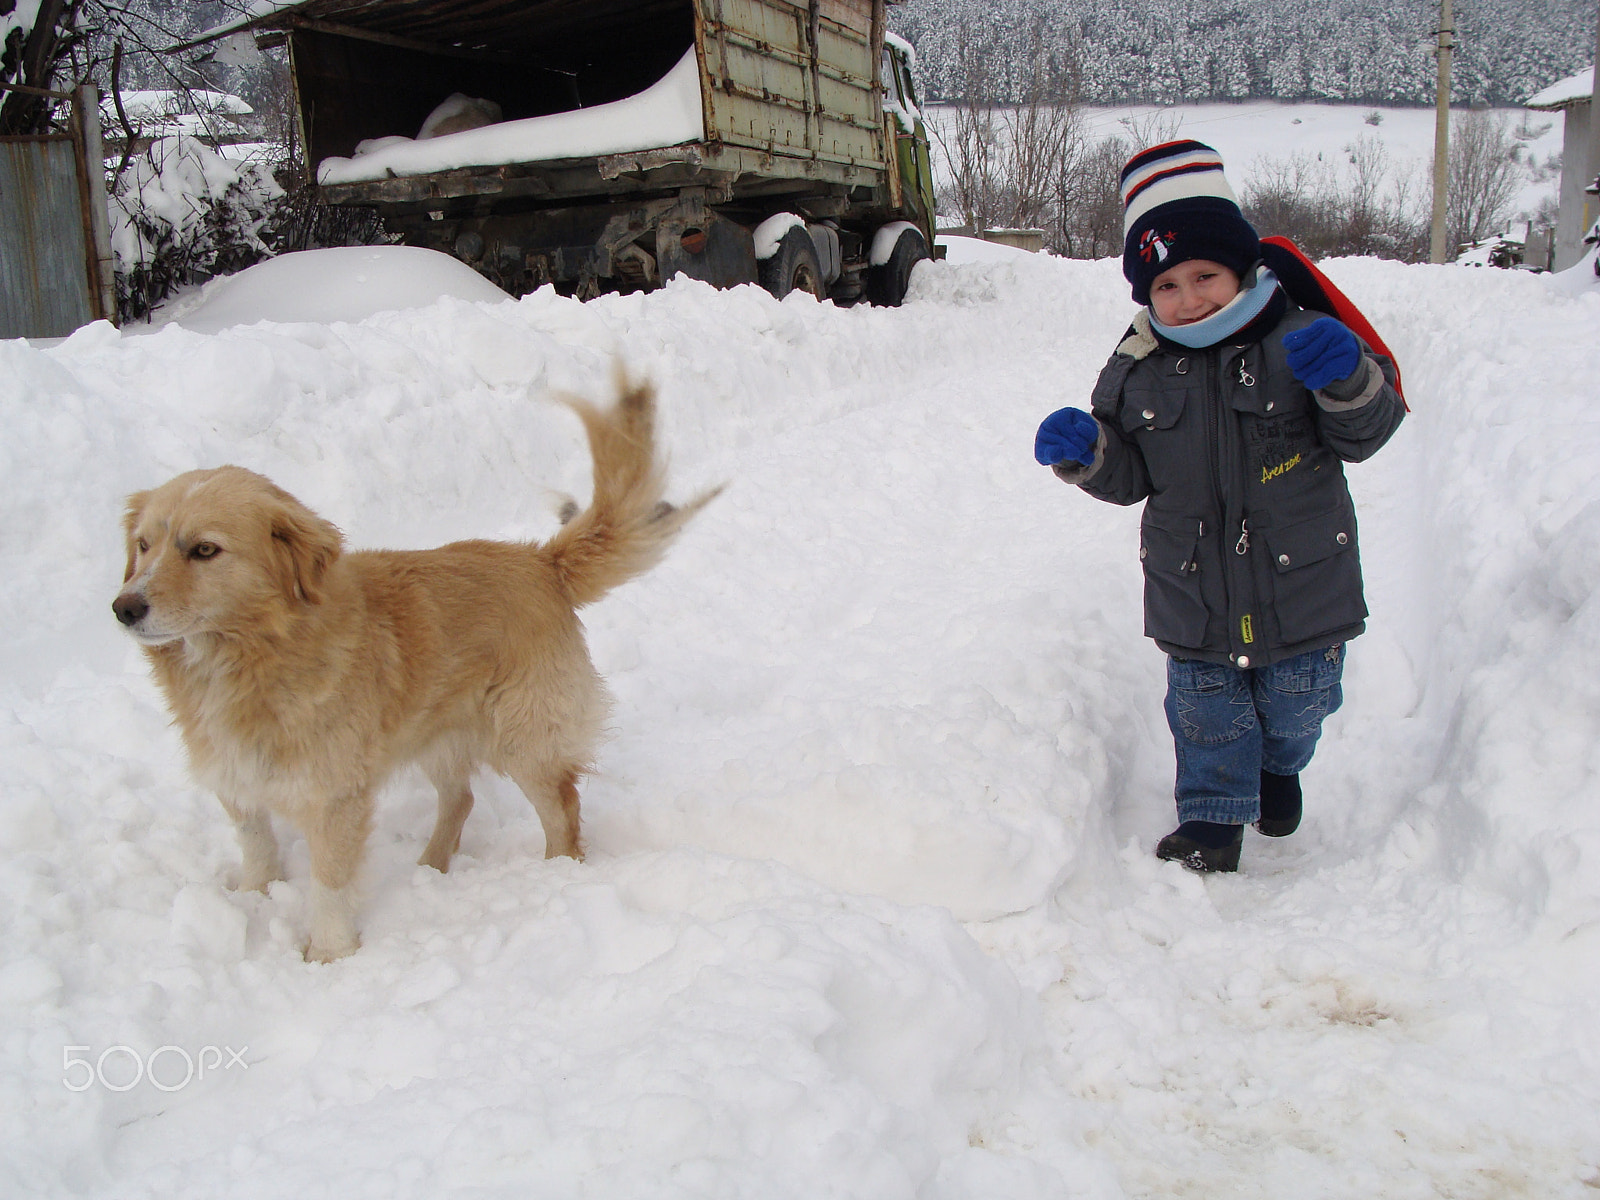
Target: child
1229	411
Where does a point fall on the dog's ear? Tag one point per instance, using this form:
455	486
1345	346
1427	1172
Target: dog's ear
304	546
130	522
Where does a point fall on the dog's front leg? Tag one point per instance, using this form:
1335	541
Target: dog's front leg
336	835
258	847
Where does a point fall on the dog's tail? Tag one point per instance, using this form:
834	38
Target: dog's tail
628	525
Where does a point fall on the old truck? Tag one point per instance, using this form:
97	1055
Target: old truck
608	145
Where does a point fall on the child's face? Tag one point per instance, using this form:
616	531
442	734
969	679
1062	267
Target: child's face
1192	291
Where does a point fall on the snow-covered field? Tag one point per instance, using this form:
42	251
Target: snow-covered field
1255	138
870	910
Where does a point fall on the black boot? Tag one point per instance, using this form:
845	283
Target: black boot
1203	846
1280	804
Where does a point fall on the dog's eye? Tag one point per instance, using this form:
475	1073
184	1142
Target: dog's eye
205	550
144	546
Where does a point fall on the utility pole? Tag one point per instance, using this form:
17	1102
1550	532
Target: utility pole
1441	134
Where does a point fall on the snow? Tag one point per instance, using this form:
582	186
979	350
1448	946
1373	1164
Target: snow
165	106
1251	135
668	113
885	239
169	192
870	909
346	283
769	233
890	38
1573	90
21	15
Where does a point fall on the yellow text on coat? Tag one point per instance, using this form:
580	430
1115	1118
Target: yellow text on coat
1270	473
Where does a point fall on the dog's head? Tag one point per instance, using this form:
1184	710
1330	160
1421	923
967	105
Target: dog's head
219	551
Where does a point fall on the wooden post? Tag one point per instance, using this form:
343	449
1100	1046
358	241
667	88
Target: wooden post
94	169
1591	203
1441	136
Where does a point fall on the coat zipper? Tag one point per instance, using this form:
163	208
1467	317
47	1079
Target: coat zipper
1240	619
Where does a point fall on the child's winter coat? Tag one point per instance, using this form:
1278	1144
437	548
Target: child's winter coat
1249	541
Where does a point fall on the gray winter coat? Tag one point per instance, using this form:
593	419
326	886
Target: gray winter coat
1248	540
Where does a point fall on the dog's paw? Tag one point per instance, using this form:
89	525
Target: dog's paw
313	953
439	860
240	880
333	923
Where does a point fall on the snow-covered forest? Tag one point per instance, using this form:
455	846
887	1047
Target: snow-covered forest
1169	51
1156	51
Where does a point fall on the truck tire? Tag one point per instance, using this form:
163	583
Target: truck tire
887	285
794	266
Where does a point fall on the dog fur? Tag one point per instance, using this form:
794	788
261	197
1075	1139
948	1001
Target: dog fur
301	675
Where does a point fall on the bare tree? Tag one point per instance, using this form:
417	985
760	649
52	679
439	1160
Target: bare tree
1369	163
1090	191
1013	165
1485	175
1090	200
969	138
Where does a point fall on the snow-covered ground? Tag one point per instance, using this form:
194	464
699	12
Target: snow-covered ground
1258	138
870	909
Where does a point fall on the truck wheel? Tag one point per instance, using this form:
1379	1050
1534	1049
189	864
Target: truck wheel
794	266
887	285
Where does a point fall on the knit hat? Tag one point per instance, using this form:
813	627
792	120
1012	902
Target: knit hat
1176	205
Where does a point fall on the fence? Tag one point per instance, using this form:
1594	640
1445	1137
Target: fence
55	252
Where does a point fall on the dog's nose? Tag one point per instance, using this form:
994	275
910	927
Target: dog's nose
130	609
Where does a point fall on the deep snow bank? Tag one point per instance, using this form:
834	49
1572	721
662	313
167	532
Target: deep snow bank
870	909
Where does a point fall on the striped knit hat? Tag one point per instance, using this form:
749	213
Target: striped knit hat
1177	205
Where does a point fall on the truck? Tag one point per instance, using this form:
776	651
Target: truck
610	145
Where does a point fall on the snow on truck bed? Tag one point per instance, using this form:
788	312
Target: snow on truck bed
667	113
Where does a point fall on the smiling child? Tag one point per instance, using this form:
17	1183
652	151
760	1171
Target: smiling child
1230	412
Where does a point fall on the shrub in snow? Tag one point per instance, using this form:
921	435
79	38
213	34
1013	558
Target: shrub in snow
180	214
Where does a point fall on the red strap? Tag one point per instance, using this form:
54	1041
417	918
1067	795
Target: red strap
1332	301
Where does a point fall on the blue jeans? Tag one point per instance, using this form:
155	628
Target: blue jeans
1230	725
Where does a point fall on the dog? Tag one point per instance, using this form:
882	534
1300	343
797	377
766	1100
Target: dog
457	114
301	675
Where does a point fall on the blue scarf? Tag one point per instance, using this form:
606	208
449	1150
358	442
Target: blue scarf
1227	320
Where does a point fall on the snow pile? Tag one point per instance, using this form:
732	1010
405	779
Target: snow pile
871	909
342	283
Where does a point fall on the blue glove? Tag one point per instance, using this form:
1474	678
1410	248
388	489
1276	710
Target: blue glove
1322	353
1068	434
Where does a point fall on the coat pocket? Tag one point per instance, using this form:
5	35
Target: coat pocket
1174	608
1317	582
1151	408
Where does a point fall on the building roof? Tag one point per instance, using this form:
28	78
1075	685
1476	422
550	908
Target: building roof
1579	89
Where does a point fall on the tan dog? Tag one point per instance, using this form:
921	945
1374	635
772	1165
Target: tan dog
302	676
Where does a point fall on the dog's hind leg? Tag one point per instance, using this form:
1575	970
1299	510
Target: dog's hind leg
257	846
337	839
455	803
554	793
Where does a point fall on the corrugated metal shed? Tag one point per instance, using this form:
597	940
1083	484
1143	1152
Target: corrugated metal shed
54	255
44	291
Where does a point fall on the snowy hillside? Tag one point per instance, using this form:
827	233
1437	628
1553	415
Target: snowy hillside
870	910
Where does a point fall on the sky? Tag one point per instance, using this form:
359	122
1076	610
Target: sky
870	907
